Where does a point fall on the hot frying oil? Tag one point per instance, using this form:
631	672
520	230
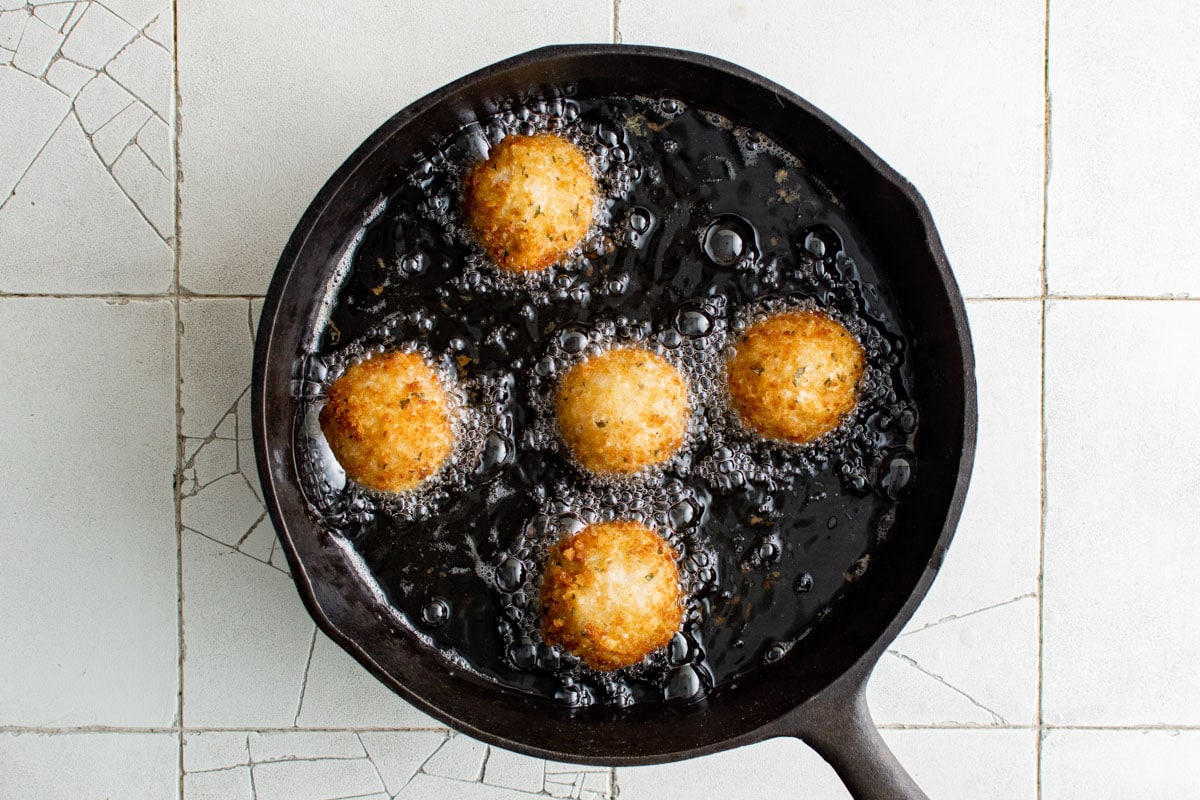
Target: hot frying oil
703	228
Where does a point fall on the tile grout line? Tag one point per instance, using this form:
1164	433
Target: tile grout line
186	295
1045	287
70	730
175	97
616	22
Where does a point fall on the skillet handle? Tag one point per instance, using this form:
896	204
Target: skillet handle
838	725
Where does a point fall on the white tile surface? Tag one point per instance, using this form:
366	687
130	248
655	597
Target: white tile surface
1125	118
246	639
88	578
775	768
1115	765
969	655
257	143
82	207
941	90
947	764
951	94
89	766
340	693
1123	498
976	764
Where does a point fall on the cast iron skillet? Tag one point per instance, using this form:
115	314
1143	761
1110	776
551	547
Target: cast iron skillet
817	692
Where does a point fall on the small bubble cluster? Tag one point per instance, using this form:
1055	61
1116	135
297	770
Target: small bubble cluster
680	259
670	508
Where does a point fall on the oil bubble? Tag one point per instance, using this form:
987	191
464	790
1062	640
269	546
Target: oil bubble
510	574
896	473
435	612
683	684
804	583
821	241
548	658
523	654
679	651
775	653
692	322
728	239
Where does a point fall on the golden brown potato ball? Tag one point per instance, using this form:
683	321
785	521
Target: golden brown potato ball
531	201
388	422
623	410
794	375
611	595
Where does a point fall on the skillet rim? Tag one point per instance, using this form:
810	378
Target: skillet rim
783	722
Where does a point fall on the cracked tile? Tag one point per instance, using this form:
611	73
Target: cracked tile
155	140
1116	765
339	692
215	459
88	583
399	754
39	43
114	136
514	771
226	784
431	787
969	655
246	638
774	768
938	89
216	350
68	77
12	24
979	764
159	30
1123	497
108	244
99	101
579	785
137	12
45	174
989	658
577	781
54	14
144	68
260	144
460	758
309	765
305	746
315	780
97	37
89	766
149	189
215	750
225	510
40	110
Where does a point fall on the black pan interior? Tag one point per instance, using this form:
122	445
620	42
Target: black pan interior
901	235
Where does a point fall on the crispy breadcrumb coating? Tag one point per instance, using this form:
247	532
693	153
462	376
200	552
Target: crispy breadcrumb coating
623	410
793	377
531	201
611	594
388	422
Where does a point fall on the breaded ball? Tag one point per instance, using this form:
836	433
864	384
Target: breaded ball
794	376
388	422
611	595
531	201
623	410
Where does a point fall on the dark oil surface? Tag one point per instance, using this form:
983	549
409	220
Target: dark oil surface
703	226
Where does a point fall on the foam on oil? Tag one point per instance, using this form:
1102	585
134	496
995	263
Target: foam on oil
703	227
